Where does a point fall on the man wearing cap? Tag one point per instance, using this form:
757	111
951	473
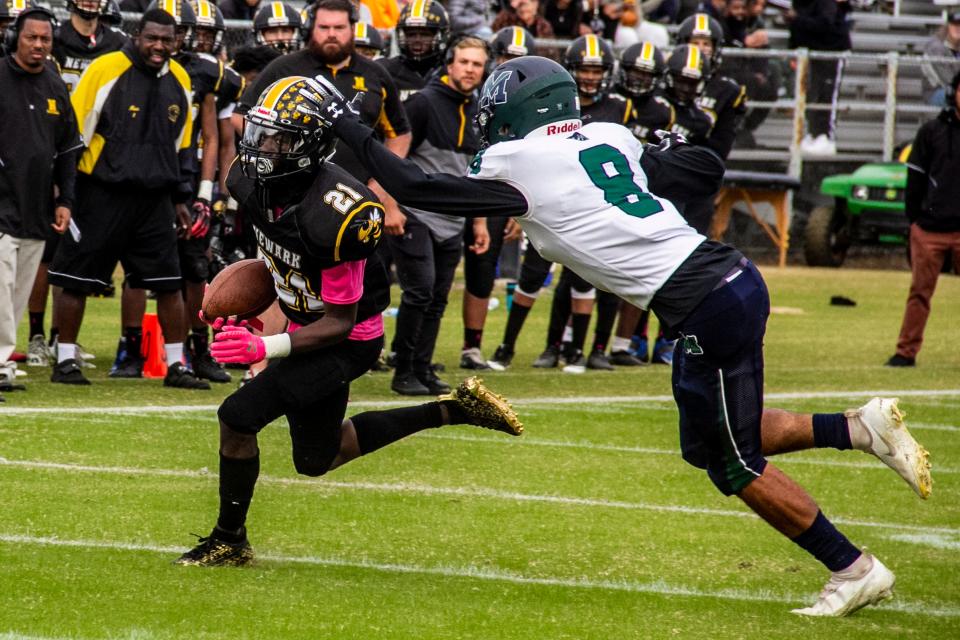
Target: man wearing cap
936	75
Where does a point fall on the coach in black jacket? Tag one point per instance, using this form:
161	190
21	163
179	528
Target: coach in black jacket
38	143
933	207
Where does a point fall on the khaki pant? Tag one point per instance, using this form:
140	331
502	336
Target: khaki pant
928	249
19	259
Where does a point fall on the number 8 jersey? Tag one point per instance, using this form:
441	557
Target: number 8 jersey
589	207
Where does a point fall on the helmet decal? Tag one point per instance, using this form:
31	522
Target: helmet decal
495	88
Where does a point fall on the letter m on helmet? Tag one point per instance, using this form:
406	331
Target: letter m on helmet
495	88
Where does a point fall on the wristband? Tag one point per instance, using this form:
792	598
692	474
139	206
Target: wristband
277	346
232	204
205	192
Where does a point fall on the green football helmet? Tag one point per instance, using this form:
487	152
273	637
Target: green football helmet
524	94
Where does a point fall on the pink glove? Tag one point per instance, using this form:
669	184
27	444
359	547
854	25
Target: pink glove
236	344
201	218
224	323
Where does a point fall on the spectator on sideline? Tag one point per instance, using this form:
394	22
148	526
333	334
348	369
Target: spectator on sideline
526	14
135	178
661	11
470	17
937	75
428	251
40	139
821	25
647	30
933	208
565	18
753	73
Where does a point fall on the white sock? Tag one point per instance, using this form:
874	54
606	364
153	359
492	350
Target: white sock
174	351
620	344
66	351
860	437
568	334
860	567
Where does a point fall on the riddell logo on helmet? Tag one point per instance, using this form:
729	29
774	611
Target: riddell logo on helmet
566	127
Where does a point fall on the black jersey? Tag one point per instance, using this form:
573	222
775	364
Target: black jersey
612	107
726	100
75	52
206	76
302	239
380	109
690	121
408	80
231	88
651	113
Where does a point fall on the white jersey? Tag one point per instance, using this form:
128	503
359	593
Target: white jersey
590	209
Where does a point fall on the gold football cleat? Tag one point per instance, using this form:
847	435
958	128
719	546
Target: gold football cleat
212	552
483	407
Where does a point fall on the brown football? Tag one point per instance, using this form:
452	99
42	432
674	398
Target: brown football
244	289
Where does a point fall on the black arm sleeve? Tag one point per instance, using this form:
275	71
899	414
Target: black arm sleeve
918	164
684	173
436	192
65	177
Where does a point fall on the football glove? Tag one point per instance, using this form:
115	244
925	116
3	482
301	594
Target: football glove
335	108
235	344
201	218
669	139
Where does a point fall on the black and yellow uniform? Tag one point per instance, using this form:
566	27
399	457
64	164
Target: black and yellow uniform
74	52
40	142
380	109
408	77
726	101
689	120
137	126
229	93
611	107
299	241
206	77
651	113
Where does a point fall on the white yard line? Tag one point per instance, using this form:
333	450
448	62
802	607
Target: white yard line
657	587
466	492
525	402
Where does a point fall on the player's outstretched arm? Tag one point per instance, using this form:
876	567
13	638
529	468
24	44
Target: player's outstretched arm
405	181
682	172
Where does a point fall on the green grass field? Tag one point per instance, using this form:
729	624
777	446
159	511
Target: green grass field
588	526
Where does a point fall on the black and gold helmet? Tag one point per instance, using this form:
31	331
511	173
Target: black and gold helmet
367	40
275	15
687	73
512	42
641	69
702	25
590	51
284	134
423	14
111	15
209	19
185	17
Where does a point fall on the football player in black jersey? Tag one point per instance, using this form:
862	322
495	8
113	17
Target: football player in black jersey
641	72
210	28
422	32
9	10
512	42
317	228
278	25
723	97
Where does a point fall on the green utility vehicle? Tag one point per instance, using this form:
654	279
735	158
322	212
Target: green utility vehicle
868	208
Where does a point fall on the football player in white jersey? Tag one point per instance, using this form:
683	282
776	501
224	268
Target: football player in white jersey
594	198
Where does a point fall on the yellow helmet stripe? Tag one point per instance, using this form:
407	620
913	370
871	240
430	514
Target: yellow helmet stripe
19	5
418	9
519	37
693	58
702	23
646	52
270	101
278	11
593	47
203	9
360	31
171	6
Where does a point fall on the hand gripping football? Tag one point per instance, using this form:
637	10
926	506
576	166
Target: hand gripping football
244	289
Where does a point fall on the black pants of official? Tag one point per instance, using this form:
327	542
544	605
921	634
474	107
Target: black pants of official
425	269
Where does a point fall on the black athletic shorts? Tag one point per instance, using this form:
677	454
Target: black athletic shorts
194	262
309	388
718	380
50	247
134	227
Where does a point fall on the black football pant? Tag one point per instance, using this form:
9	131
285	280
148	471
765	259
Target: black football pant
425	269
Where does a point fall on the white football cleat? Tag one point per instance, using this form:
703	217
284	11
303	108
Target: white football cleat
883	433
842	597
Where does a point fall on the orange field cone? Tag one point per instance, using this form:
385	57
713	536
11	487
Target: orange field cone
154	358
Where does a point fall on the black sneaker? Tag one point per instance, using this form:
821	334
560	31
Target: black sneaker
213	552
598	360
407	384
207	368
129	367
182	378
433	383
625	359
549	359
897	360
68	372
503	356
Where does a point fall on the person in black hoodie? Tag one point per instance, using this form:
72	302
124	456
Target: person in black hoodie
428	251
821	25
933	207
